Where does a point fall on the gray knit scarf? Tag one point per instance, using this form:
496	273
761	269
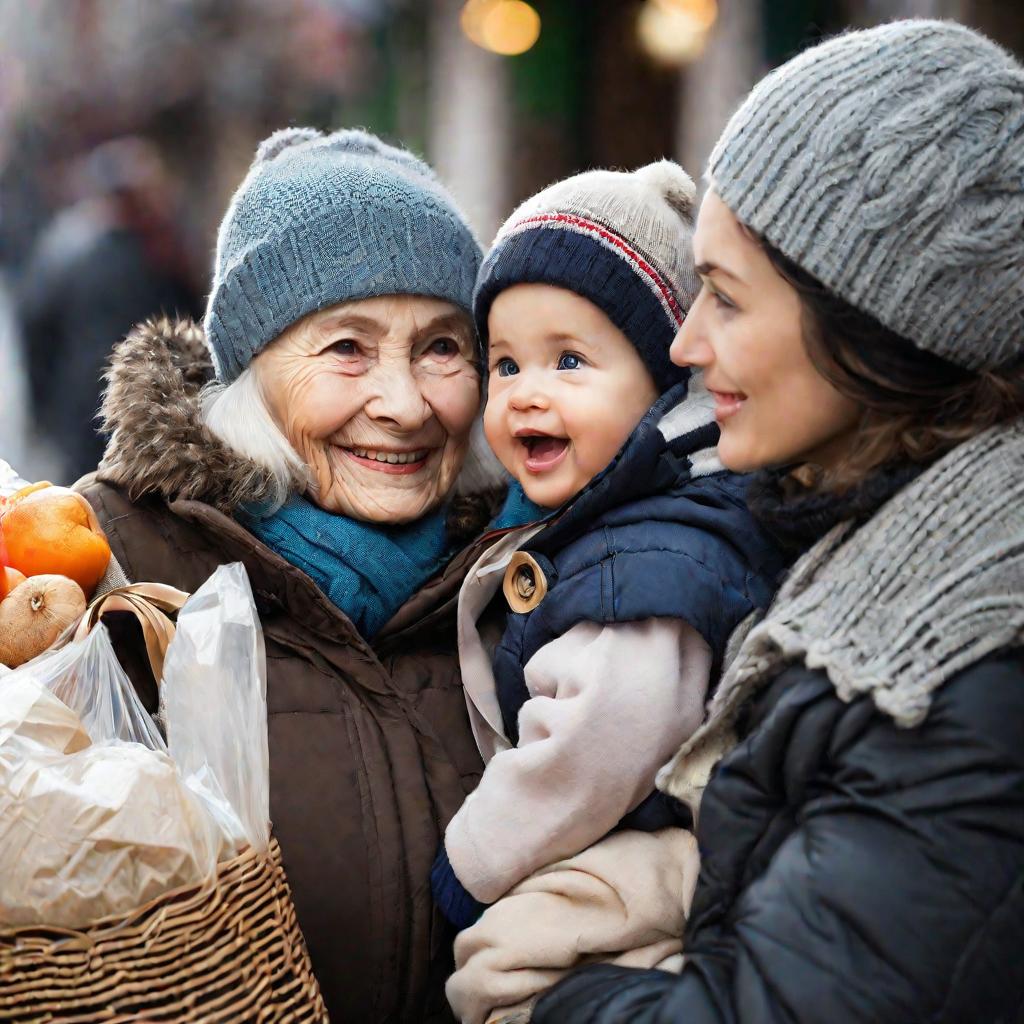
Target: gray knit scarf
932	583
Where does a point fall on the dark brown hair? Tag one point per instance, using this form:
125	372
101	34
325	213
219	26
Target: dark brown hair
916	405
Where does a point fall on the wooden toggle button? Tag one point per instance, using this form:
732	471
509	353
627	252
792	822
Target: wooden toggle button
525	585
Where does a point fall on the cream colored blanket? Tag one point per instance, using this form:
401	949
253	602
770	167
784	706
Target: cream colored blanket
622	901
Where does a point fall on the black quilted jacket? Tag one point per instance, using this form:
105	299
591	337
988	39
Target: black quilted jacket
852	871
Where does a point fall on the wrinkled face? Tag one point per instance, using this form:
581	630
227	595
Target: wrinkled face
566	388
377	397
744	330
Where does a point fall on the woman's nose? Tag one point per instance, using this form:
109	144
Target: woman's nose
398	400
690	347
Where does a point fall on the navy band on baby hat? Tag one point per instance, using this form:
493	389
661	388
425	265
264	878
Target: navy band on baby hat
620	239
323	219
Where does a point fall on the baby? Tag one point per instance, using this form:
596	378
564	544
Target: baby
621	599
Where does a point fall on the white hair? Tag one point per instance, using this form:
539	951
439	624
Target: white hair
237	414
481	471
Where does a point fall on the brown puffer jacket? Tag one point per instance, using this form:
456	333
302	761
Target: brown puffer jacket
370	746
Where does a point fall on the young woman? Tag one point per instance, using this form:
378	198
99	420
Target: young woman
862	328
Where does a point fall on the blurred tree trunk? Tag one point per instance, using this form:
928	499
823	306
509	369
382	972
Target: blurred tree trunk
874	11
714	85
1002	21
470	120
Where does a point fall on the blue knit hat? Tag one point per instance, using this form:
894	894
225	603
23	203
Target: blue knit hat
322	219
619	239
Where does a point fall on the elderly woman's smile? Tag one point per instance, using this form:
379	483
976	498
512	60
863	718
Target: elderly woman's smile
377	397
383	461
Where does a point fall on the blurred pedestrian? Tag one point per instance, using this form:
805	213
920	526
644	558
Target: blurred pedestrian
106	262
13	390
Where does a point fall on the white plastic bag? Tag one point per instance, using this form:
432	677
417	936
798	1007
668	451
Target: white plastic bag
214	702
88	678
97	814
10	480
86	829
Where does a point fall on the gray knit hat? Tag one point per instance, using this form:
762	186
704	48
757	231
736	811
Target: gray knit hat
322	219
620	239
889	164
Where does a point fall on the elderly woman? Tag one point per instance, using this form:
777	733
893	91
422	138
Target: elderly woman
324	455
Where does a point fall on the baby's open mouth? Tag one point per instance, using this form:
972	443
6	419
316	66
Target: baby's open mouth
543	452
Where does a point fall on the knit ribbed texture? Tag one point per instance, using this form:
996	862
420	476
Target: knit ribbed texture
931	584
889	163
324	219
451	896
620	240
368	570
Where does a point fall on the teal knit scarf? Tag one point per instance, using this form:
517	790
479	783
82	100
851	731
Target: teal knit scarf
369	570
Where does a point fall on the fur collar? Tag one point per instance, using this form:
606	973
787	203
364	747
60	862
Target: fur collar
159	444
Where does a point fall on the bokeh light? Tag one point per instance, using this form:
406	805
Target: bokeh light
507	27
675	31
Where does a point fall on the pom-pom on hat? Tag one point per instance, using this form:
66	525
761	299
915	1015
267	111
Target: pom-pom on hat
322	219
620	239
889	164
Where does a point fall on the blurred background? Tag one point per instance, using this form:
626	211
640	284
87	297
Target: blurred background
125	125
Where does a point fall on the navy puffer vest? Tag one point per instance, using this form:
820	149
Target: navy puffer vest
651	536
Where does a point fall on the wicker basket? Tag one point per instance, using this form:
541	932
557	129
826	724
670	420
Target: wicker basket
228	951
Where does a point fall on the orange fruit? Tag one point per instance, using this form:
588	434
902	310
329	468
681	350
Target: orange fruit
9	579
53	530
12	499
5	583
28	489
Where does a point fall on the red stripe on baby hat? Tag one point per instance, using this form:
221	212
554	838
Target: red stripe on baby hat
616	240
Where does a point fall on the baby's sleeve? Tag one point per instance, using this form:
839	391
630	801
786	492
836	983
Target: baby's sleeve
609	705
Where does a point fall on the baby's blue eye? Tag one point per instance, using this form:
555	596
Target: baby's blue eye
569	361
506	368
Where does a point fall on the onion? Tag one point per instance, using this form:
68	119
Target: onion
34	614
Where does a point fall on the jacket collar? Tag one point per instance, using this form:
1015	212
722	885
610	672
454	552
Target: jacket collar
674	442
797	517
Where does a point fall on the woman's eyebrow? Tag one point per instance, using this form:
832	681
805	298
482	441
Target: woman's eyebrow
445	322
359	323
708	268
